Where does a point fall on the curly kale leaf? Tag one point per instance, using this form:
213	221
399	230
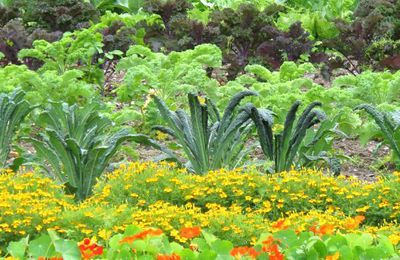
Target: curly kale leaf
14	37
57	15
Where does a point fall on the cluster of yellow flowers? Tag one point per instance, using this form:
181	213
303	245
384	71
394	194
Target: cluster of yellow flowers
145	183
29	203
238	205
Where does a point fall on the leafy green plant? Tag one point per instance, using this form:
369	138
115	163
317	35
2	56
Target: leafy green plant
127	6
208	140
74	51
48	245
389	124
314	23
169	77
370	40
14	36
40	87
153	243
287	148
76	145
13	110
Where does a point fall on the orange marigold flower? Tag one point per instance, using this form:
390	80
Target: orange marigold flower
168	257
89	249
142	235
190	232
238	252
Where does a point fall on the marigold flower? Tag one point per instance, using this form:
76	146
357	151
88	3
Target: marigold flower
238	252
168	257
190	232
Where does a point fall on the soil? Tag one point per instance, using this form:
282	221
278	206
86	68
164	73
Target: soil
365	161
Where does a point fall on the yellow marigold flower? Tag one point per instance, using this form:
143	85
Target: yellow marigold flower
168	189
134	195
383	204
363	209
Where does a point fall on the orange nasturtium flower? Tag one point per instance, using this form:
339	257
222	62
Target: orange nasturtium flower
238	252
168	257
272	249
190	232
89	249
142	235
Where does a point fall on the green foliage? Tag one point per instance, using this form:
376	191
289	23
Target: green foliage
329	9
169	77
389	124
74	51
370	39
289	244
39	87
76	145
234	4
47	245
280	89
371	87
127	6
209	141
288	148
314	23
13	110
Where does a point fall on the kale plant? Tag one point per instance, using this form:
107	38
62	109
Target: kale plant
169	77
57	15
14	37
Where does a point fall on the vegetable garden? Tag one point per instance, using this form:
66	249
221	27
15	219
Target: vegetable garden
199	129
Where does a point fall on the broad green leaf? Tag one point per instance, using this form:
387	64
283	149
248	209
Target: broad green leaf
17	249
42	246
222	247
